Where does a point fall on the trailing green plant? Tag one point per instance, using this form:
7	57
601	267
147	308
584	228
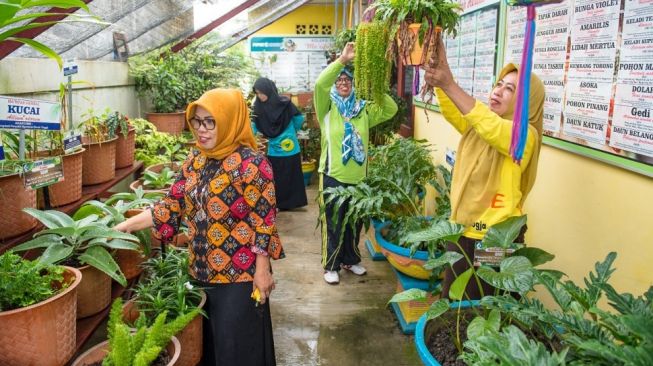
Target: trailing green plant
24	282
167	287
153	180
427	13
143	346
78	242
372	70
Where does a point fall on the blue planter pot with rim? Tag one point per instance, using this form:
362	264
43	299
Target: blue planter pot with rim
420	342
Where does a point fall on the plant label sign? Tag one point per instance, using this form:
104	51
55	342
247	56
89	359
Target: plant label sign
42	173
489	256
2	151
72	142
70	68
29	114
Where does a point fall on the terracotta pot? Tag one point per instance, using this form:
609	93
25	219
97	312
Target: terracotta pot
190	338
157	168
94	293
129	261
125	147
70	189
98	352
304	99
172	123
42	334
14	198
139	183
99	162
416	53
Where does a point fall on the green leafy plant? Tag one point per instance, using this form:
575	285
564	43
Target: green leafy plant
372	69
428	13
161	180
133	200
311	147
167	287
143	346
77	242
24	282
153	147
397	174
342	37
117	123
591	335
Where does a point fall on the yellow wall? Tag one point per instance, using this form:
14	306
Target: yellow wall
319	14
580	209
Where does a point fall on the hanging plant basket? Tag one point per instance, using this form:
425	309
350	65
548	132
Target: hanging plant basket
125	147
15	197
172	123
99	162
70	189
42	334
411	51
372	65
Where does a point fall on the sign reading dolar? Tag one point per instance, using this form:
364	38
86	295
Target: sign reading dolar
29	114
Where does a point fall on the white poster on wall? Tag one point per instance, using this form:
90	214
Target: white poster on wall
467	52
632	123
586	110
292	62
515	41
486	30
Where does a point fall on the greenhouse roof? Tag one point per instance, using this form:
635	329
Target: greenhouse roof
146	25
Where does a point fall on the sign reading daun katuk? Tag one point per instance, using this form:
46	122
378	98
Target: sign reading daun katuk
29	114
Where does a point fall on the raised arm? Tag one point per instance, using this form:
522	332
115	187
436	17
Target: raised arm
321	97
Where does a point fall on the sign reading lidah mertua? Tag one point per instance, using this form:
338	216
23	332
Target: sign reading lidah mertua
29	114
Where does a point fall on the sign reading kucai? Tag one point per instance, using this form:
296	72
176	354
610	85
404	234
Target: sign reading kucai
29	114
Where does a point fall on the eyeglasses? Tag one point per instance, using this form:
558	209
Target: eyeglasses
208	123
341	81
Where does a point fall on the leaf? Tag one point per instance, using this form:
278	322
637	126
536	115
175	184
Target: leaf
503	234
38	242
457	289
413	294
536	256
99	258
441	230
56	253
437	308
45	217
40	47
515	275
65	232
86	211
446	258
480	326
121	244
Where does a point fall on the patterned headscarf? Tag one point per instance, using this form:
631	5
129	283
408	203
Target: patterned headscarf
349	107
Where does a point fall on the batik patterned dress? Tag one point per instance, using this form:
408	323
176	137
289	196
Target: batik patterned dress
229	207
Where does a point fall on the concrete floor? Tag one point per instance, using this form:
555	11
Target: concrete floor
320	324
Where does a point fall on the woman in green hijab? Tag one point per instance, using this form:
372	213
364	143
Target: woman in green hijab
487	187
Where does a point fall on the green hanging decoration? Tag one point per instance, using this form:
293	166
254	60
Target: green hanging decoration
372	69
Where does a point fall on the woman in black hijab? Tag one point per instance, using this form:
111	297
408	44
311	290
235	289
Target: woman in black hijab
277	118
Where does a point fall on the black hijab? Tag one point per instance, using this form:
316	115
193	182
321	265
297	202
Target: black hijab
272	116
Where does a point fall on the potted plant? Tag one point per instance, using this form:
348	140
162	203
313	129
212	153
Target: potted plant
99	141
15	198
155	182
166	288
310	152
118	125
82	244
37	312
392	192
418	25
154	345
157	149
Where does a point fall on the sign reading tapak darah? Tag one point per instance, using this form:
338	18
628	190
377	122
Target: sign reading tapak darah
29	114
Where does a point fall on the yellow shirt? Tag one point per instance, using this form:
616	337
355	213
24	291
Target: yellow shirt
493	195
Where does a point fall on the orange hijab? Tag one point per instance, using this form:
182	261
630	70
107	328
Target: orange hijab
228	108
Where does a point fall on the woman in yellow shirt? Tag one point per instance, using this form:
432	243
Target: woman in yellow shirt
487	185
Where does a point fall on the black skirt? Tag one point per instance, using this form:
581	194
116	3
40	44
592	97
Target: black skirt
236	333
288	181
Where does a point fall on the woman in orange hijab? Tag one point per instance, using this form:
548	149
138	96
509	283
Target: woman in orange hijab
225	194
487	187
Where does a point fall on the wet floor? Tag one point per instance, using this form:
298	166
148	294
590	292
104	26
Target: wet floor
320	324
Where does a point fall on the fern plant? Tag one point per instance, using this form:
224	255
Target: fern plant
142	347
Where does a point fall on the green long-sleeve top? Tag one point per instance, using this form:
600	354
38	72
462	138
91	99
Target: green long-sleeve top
333	128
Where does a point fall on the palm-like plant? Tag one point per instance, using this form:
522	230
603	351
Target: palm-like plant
83	241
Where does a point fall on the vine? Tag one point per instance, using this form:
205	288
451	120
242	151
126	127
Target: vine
372	69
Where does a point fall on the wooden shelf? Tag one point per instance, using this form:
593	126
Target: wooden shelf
88	193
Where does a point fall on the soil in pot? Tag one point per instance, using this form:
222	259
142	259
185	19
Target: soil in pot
442	333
